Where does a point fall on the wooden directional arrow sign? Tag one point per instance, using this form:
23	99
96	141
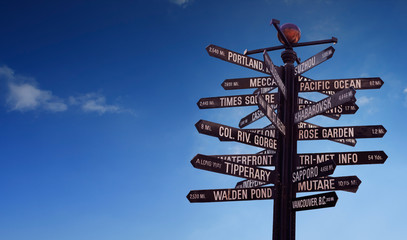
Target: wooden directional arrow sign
269	112
231	194
235	101
319	133
236	58
225	132
303	103
344	96
249	159
347	108
342	158
269	65
320	170
314	60
254	82
234	169
350	183
340	84
323	200
250	183
347	141
269	132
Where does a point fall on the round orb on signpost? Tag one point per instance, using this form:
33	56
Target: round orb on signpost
291	31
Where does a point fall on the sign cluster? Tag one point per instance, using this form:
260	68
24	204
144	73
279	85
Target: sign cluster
313	170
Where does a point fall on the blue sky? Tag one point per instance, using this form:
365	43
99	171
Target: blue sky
98	106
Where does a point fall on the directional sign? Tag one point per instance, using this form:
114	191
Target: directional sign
269	65
250	183
236	58
225	132
350	183
235	101
323	200
234	169
340	84
269	112
253	82
342	158
249	159
302	103
314	60
347	108
269	132
301	78
231	194
319	133
320	170
344	96
348	141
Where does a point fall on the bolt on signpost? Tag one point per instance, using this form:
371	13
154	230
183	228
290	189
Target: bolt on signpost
294	172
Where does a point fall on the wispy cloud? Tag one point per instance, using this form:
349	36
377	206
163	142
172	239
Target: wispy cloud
181	3
95	102
23	94
362	101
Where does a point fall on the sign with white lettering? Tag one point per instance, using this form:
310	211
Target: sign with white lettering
340	84
302	103
319	133
348	141
270	113
317	201
253	82
341	97
270	66
235	101
234	169
347	108
349	183
225	132
249	159
236	58
314	60
269	132
250	183
320	170
342	158
231	194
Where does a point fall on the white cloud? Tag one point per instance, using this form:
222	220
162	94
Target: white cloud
405	90
364	100
93	102
23	94
182	3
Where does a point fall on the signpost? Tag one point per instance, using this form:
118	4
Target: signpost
249	159
340	84
317	201
329	184
320	170
342	158
319	133
270	66
341	97
225	132
269	112
293	172
231	194
314	60
235	101
234	169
